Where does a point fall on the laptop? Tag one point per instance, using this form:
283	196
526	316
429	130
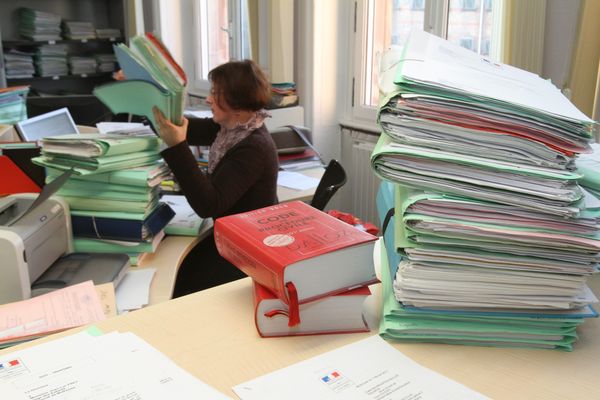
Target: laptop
53	123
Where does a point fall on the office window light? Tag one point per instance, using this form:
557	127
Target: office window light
384	25
221	29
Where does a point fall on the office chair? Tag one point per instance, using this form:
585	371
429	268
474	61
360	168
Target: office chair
333	179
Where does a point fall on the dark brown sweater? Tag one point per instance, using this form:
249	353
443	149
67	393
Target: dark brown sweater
244	179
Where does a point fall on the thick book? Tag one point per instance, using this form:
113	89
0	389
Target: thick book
341	313
123	228
297	251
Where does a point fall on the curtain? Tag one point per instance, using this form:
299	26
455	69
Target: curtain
522	36
584	72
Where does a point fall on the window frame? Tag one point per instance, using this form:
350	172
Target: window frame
435	22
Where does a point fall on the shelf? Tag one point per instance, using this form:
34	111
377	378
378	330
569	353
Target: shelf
23	43
56	78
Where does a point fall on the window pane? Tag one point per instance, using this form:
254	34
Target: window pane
390	23
214	35
470	24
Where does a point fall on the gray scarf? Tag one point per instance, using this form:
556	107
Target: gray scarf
227	138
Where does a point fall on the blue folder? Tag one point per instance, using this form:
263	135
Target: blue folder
137	230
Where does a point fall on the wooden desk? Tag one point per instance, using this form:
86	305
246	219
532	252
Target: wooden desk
212	335
173	249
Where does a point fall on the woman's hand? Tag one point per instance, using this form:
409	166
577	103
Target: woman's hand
169	132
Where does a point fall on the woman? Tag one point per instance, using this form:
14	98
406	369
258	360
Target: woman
242	165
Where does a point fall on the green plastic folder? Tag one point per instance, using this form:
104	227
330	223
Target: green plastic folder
135	97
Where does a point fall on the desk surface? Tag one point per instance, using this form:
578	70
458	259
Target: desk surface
173	249
212	335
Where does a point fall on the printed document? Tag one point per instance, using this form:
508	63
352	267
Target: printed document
369	369
114	366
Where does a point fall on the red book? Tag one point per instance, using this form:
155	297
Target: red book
341	313
14	180
298	252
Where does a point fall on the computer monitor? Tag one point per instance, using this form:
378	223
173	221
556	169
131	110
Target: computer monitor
53	123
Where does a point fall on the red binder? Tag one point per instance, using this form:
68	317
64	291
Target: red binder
14	180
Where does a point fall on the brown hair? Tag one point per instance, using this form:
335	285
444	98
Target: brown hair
241	84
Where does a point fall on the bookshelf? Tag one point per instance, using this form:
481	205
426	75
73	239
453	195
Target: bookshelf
70	90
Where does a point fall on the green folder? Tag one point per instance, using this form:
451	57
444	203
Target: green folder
97	165
95	145
143	176
136	97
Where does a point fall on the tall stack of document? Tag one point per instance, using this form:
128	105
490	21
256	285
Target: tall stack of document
38	25
51	60
113	194
18	64
153	79
495	231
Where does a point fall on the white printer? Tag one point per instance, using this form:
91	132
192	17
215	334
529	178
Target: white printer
37	242
29	246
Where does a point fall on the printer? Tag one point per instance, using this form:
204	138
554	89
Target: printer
36	241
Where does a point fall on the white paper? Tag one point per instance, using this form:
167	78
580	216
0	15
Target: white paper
296	180
134	290
115	366
369	369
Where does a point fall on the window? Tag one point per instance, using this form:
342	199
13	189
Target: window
418	4
221	28
469	5
385	25
467	43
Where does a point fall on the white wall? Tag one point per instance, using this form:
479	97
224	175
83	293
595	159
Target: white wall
321	68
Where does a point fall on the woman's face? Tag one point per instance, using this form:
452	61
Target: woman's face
222	113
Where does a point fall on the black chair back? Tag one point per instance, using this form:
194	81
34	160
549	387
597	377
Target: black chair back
333	179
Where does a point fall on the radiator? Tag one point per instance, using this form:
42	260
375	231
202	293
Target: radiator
358	195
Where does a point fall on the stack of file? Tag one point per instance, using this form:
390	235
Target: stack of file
497	237
108	33
105	62
13	107
78	30
18	64
81	65
588	166
51	60
283	95
153	79
113	194
38	25
508	326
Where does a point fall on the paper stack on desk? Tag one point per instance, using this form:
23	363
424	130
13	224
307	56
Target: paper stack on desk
53	312
114	194
497	238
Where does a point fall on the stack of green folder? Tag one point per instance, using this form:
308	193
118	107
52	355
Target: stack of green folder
497	239
39	25
51	60
505	327
116	182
